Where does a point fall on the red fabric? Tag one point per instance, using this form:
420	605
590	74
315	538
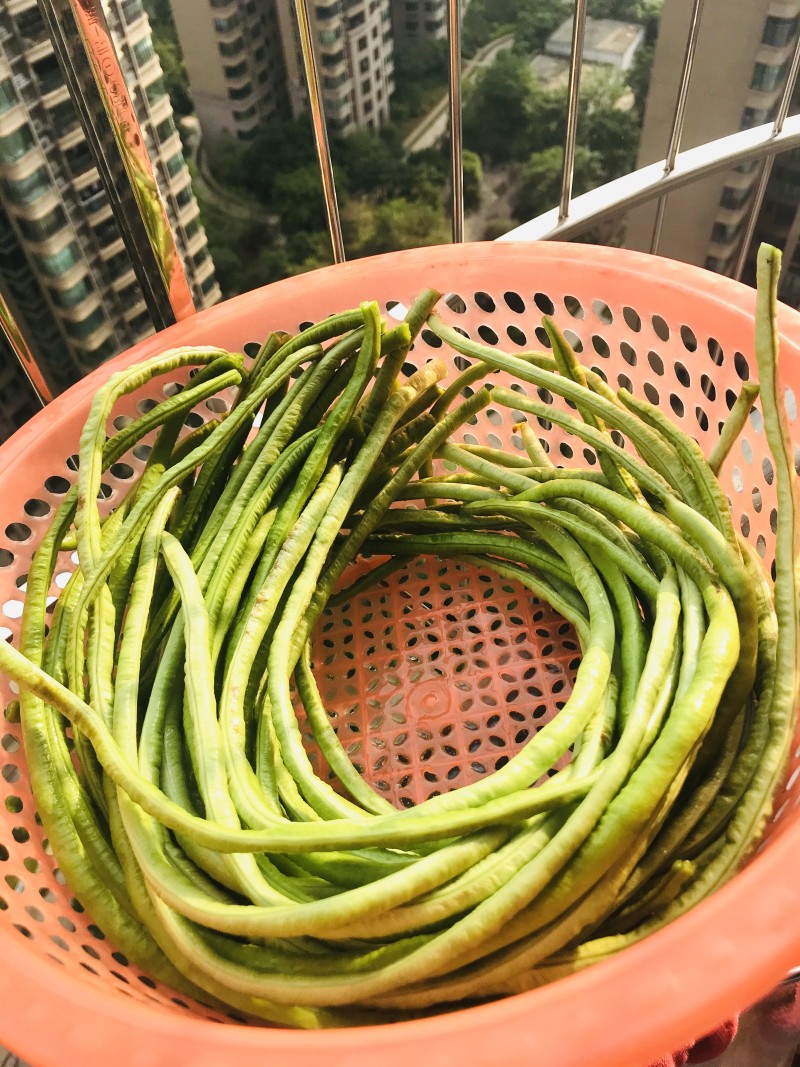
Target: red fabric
707	1048
783	1014
714	1044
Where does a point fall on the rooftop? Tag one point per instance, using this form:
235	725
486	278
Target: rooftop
606	40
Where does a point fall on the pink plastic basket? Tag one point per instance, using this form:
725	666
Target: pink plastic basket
440	672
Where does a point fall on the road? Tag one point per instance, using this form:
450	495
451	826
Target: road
434	125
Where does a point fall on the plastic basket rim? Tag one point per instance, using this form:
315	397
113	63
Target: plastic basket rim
31	986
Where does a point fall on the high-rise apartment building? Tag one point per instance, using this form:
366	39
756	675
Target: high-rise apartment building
233	57
419	20
63	267
739	72
245	64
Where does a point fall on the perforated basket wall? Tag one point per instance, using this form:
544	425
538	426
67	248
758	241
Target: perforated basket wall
436	677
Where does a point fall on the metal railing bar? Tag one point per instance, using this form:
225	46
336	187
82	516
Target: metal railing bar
766	169
679	115
320	128
642	185
85	51
22	351
456	138
573	100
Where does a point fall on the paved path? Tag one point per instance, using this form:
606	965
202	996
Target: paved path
434	125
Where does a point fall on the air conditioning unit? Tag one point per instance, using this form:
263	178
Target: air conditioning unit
45	141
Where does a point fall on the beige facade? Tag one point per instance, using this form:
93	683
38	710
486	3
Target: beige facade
233	58
245	64
420	20
743	55
63	267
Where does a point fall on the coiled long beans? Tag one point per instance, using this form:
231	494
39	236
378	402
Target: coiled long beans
192	822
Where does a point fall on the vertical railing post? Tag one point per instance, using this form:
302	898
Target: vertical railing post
320	130
85	51
573	100
679	116
456	138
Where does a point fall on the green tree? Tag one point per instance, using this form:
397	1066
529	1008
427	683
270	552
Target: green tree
277	148
473	180
497	110
298	201
535	23
401	223
639	77
421	74
176	80
369	161
613	135
540	179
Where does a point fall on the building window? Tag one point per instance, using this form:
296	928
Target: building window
63	116
231	48
232	22
191	228
246	135
412	26
104	351
767	78
327	12
46	226
175	164
375	31
184	197
241	92
334	81
236	71
155	91
376	55
753	116
432	26
131	10
362	43
365	86
733	198
26	190
328	37
723	232
59	262
354	21
8	98
86	327
246	115
717	265
92	197
14	145
367	107
68	298
333	60
143	50
779	31
207	284
165	130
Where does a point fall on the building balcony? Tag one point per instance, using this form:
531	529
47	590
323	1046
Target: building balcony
108	251
123	280
16	7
